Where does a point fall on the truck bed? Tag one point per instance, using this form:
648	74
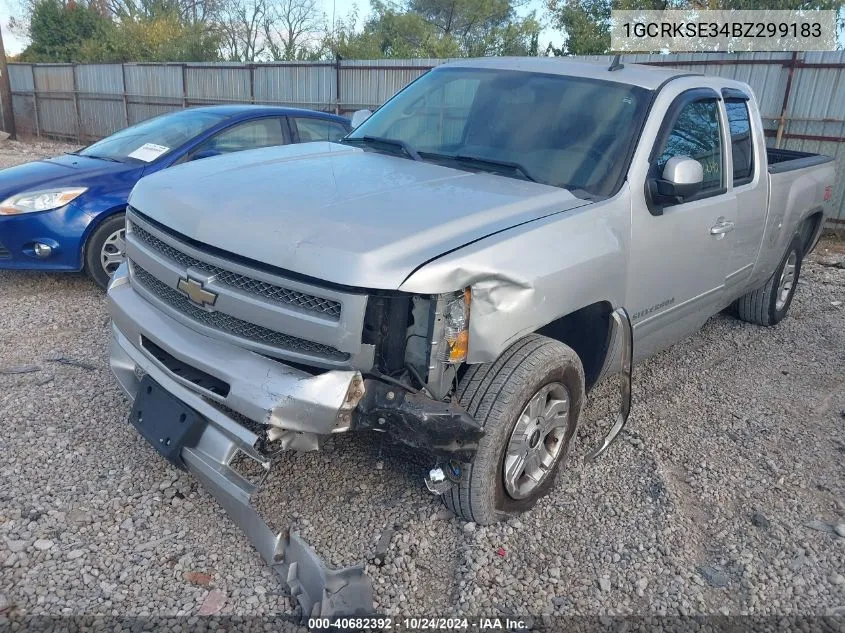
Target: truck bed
781	160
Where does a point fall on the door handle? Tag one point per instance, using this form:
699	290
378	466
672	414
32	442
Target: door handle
721	227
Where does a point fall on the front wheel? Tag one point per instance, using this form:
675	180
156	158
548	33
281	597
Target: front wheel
768	305
529	402
106	249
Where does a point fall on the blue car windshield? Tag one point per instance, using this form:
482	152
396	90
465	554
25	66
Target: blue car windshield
153	138
558	130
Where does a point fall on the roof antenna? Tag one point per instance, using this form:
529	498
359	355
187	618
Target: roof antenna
616	64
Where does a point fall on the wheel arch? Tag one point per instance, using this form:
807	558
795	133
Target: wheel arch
95	223
589	332
811	230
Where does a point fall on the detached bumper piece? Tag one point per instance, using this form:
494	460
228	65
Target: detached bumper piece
439	428
208	448
625	332
321	591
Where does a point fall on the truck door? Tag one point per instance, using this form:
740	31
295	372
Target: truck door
748	185
679	252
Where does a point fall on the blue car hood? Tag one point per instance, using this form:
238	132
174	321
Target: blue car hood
67	170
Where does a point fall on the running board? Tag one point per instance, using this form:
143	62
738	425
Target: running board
624	329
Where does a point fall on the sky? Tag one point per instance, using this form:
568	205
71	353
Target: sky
342	8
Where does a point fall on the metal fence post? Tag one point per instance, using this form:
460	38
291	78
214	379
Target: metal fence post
252	83
782	120
6	93
76	104
184	86
337	59
35	102
125	95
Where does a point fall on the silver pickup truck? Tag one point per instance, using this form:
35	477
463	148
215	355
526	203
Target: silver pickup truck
457	274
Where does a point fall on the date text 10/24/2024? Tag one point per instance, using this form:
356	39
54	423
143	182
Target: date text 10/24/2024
419	624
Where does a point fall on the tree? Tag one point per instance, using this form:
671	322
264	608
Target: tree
433	28
90	32
481	27
57	32
241	24
160	39
290	27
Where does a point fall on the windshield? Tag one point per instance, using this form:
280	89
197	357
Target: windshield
154	138
554	129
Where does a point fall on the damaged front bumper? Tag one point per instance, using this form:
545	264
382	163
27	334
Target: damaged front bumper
442	429
295	406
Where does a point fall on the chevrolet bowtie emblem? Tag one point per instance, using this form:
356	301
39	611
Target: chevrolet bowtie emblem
196	292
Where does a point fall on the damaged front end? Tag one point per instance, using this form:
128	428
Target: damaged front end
442	429
244	407
269	407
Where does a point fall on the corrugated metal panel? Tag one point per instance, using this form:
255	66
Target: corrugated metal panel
103	79
20	76
101	117
23	108
101	109
153	90
311	86
154	80
216	84
53	77
23	105
56	108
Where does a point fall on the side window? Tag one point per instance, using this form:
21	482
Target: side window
697	133
248	135
742	148
319	130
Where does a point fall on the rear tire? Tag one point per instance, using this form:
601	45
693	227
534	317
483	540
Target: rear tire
769	304
536	371
105	249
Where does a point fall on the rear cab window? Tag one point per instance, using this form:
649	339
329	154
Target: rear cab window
742	146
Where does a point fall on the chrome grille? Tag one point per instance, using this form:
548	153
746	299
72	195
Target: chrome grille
272	292
4	252
227	323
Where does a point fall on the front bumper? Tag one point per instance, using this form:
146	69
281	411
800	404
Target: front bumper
62	229
297	404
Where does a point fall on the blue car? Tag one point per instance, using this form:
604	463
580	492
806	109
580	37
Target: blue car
66	213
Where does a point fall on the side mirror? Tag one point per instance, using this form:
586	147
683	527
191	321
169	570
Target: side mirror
682	177
206	153
359	116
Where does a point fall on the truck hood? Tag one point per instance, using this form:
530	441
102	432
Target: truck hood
339	213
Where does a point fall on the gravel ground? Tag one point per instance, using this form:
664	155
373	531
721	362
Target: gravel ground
723	495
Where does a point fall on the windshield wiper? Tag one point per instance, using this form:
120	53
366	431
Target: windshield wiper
108	158
375	141
496	164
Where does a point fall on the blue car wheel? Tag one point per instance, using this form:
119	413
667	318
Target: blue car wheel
106	249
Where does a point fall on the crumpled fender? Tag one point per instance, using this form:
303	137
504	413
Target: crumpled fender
528	276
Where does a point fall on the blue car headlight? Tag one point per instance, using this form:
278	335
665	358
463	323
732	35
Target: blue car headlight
44	200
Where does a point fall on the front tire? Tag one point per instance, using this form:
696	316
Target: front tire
106	249
528	401
769	304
